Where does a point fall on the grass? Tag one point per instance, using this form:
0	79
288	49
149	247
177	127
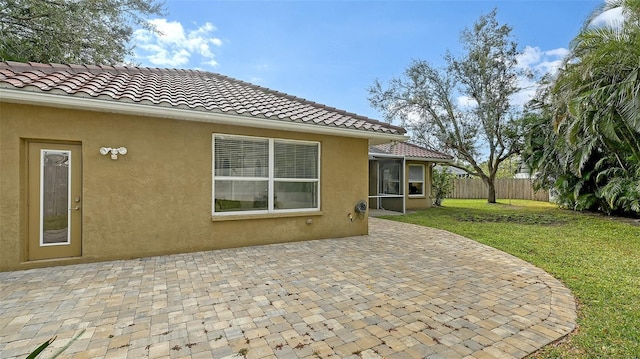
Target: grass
595	256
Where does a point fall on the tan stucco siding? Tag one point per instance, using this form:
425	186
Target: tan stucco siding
156	199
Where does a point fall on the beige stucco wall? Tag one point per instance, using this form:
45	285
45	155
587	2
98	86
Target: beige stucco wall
157	199
419	202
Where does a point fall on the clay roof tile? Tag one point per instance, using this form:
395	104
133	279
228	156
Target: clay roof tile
407	149
191	89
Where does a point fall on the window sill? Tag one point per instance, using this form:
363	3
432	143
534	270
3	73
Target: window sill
417	196
238	217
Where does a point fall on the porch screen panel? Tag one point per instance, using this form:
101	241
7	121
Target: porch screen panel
390	177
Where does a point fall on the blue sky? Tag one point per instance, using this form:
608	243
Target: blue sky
331	51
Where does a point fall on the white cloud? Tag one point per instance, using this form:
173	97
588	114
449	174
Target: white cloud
530	55
212	63
538	63
174	46
528	88
613	17
541	62
561	52
466	102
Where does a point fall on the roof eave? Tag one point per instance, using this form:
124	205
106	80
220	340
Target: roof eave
91	104
409	158
385	155
429	159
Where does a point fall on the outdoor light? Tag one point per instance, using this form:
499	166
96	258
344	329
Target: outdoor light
114	151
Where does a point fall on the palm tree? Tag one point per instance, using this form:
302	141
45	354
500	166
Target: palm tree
594	108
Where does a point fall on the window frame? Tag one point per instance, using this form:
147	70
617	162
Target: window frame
270	178
409	181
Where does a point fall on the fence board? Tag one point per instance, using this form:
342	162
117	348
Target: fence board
506	188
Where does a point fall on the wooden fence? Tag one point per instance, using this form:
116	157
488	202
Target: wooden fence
506	188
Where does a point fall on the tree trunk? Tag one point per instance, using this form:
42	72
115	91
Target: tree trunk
491	196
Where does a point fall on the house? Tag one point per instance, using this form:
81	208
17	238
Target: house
103	163
455	171
400	175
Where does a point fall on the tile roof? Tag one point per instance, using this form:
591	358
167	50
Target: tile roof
182	89
406	149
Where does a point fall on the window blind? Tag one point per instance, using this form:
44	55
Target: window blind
241	156
416	173
295	160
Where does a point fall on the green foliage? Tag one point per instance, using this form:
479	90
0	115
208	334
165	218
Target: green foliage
423	99
46	344
441	184
584	137
72	31
34	354
597	257
506	169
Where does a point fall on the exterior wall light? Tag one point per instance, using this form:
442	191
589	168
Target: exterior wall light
114	151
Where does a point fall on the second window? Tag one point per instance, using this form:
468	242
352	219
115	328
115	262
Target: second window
264	175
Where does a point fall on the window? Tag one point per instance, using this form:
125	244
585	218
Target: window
416	180
262	175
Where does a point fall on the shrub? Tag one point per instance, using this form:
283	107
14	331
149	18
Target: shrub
442	184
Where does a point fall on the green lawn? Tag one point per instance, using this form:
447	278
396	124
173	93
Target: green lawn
597	257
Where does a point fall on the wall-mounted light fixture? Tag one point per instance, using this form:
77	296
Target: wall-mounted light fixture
114	151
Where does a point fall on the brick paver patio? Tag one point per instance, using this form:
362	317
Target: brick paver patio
403	291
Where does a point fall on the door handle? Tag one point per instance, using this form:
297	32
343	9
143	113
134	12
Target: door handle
76	208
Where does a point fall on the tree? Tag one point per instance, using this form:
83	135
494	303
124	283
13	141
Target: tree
590	115
507	169
442	184
72	31
425	101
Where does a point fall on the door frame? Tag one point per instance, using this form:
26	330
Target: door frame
72	247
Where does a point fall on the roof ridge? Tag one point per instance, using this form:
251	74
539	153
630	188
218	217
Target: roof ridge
78	68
